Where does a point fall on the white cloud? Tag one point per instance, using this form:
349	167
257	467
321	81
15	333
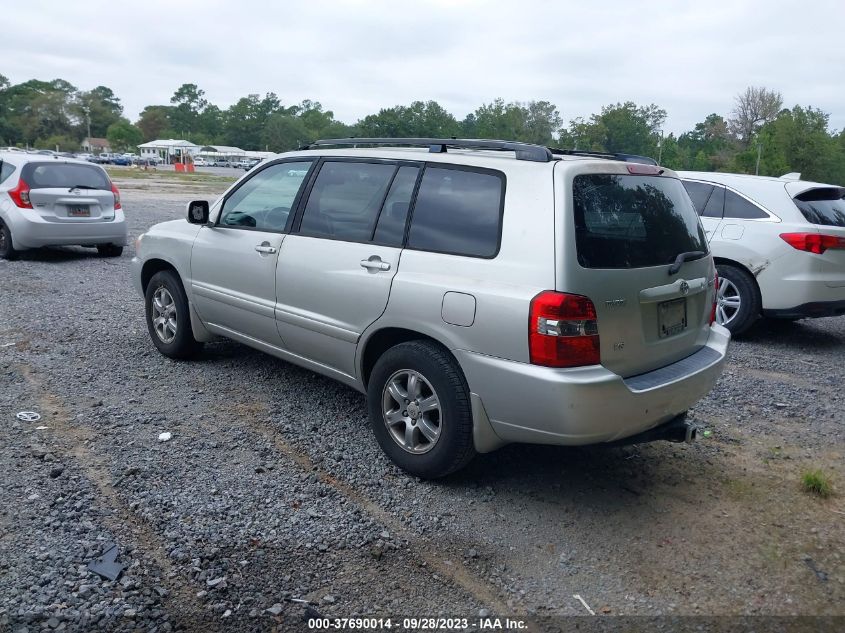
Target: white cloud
690	58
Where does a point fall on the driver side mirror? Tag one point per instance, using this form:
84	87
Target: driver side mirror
198	212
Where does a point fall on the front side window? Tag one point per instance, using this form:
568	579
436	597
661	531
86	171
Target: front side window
458	212
624	221
345	201
738	207
264	202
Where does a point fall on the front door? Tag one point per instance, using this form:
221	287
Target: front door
336	267
233	261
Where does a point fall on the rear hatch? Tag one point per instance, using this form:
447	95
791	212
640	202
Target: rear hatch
69	192
823	206
623	237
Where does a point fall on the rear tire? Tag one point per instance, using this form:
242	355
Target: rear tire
737	286
429	432
7	251
168	317
109	250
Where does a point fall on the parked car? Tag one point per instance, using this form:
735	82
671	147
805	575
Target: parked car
199	161
57	201
778	243
252	163
119	159
222	162
540	297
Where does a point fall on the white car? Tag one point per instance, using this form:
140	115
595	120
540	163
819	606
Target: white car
199	161
47	201
778	244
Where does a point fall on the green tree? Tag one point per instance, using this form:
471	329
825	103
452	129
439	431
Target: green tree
39	109
188	101
124	136
99	107
419	119
752	109
284	132
154	122
622	127
709	146
245	120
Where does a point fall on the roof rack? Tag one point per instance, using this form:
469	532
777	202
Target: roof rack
522	151
628	158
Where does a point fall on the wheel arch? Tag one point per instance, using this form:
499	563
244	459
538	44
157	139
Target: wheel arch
153	266
383	339
726	261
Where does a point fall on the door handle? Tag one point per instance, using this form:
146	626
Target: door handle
265	247
374	264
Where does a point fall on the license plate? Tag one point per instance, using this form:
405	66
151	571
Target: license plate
672	317
79	212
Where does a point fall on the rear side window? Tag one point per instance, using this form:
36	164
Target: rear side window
738	207
715	207
345	200
391	223
58	175
6	170
458	212
632	221
825	206
699	193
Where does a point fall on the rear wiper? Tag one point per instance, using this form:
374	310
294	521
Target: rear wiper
82	187
684	257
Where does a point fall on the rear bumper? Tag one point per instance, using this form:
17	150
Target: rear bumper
808	310
34	232
588	405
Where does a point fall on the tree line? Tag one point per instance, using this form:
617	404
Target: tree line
758	134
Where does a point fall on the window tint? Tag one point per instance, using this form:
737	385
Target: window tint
6	170
64	176
458	212
633	221
738	207
824	206
699	193
264	201
345	201
391	223
716	204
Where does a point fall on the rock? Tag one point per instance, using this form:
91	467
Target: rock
165	437
472	553
38	451
329	599
312	513
53	623
276	609
483	613
56	471
216	583
130	613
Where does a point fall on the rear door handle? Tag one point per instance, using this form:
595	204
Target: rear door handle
265	247
374	264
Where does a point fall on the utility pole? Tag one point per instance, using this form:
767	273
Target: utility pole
759	153
659	146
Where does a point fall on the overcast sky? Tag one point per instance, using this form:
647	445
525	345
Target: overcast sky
355	57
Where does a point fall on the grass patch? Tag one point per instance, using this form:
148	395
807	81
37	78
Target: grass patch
817	483
175	176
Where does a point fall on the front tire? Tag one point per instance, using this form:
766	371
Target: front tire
420	409
168	318
109	250
7	251
738	301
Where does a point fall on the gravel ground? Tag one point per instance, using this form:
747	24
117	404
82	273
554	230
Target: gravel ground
272	490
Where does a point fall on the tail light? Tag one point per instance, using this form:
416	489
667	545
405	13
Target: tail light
563	331
116	193
813	242
20	195
715	299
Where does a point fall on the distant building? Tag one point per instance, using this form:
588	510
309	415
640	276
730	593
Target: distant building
168	150
96	145
221	152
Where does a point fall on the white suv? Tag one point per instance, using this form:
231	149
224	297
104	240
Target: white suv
479	292
778	243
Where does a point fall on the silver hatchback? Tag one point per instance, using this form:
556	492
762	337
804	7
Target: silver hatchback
479	292
50	201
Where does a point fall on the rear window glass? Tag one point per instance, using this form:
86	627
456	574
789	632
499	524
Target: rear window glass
632	221
825	206
64	176
458	212
738	207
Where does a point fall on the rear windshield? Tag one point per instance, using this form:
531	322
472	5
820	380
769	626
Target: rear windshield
626	221
64	176
824	206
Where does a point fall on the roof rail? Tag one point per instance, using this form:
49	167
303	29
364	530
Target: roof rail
628	158
522	151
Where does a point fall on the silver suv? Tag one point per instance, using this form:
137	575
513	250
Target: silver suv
479	292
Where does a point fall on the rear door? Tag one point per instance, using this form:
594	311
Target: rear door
622	234
336	267
64	192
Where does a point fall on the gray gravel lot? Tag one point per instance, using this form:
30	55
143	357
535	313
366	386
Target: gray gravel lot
272	488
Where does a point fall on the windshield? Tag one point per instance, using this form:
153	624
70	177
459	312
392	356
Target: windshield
64	176
626	221
825	206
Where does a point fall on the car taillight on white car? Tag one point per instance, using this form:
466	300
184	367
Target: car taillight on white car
20	195
116	193
816	243
563	330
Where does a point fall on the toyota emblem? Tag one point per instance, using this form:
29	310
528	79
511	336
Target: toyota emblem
684	288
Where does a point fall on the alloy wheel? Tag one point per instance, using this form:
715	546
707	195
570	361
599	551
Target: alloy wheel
411	411
728	302
164	315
